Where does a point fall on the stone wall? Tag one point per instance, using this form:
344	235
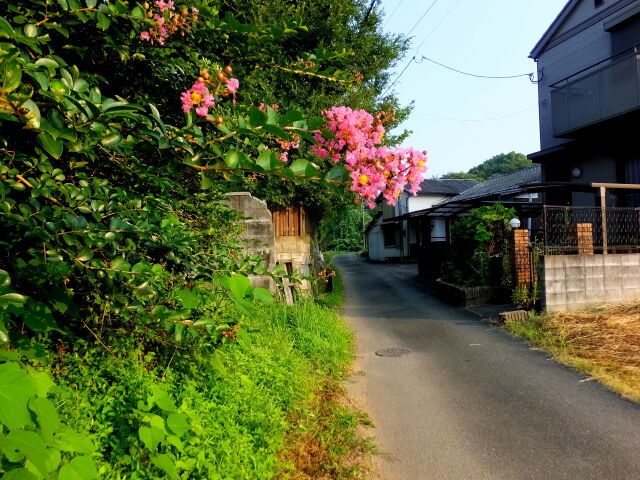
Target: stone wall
258	236
569	282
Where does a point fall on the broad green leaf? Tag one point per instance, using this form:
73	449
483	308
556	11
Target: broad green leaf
111	140
278	132
166	464
14	299
162	399
79	468
16	389
238	284
12	77
178	424
6	30
31	445
103	21
120	264
257	117
5	279
20	474
263	295
137	13
299	167
267	160
151	437
46	62
336	174
91	3
232	158
47	417
34	113
53	146
290	117
41	79
272	116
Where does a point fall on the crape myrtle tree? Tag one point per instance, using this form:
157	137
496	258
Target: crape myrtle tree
120	124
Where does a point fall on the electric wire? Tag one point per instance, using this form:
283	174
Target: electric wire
530	74
437	25
392	13
422	17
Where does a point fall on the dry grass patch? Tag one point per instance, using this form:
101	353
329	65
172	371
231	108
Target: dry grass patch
602	341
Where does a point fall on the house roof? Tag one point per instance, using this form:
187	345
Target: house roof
542	43
445	186
499	185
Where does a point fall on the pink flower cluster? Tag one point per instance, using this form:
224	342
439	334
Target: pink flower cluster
162	28
197	97
286	146
374	169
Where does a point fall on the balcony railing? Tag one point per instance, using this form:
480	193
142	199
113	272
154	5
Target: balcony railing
600	92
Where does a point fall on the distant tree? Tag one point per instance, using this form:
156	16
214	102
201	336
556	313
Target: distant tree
462	176
343	230
501	163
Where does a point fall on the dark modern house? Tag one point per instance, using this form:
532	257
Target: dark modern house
588	64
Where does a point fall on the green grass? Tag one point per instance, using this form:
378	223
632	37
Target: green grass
266	406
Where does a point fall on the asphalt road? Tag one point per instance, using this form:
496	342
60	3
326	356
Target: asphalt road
470	401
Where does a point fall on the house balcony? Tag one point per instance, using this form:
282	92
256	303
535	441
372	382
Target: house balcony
601	92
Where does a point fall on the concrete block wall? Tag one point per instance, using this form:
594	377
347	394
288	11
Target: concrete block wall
569	282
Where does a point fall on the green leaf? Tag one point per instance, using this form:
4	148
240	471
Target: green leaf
278	132
267	160
31	445
41	79
190	298
162	399
12	299
336	174
166	464
111	140
46	62
79	468
53	146
120	264
239	285
151	437
272	116
263	295
6	30
290	117
137	13
16	389
178	424
12	77
103	21
91	3
257	117
299	167
232	158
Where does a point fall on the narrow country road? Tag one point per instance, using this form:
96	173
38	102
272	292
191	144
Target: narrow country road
471	402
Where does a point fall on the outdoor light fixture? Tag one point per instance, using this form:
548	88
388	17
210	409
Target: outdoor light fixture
576	172
514	222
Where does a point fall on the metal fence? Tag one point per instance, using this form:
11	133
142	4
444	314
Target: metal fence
563	231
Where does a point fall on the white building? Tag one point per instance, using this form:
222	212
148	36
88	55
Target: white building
390	238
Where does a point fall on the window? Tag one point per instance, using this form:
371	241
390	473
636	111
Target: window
390	233
599	2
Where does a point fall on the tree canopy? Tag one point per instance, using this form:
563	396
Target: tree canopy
496	165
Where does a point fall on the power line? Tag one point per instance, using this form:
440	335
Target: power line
423	15
438	24
399	76
475	119
392	13
530	75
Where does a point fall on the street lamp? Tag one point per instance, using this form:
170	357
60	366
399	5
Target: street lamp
515	223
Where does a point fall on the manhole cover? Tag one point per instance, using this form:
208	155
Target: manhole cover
392	352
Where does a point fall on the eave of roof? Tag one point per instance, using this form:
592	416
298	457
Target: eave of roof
564	13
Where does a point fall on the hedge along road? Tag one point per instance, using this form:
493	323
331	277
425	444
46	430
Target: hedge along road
469	401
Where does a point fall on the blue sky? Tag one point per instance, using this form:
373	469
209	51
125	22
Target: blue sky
488	37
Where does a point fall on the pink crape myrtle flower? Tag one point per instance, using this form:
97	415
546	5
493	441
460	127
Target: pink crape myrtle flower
197	97
375	170
232	85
